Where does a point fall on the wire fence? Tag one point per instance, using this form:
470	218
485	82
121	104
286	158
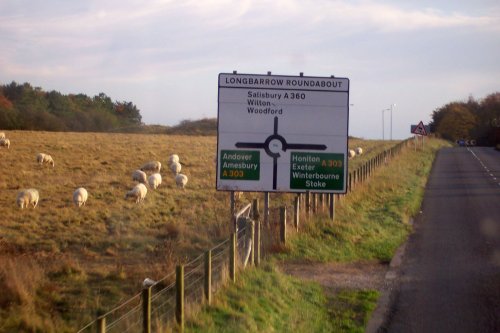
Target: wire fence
165	303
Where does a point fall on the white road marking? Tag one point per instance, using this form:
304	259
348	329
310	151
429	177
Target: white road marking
484	166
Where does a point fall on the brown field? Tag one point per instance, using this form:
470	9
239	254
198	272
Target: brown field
59	264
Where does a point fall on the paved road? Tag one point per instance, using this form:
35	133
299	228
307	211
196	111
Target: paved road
450	278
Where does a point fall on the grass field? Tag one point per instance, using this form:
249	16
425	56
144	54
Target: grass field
60	264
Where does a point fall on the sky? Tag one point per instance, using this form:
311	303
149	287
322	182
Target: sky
165	56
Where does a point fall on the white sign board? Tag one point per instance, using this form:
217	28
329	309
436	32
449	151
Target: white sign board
282	133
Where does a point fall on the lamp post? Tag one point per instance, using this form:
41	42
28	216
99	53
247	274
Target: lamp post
383	124
392	106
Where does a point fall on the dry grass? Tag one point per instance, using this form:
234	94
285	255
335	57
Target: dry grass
90	258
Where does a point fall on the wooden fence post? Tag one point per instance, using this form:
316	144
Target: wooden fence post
233	202
266	208
146	310
255	209
314	203
208	277
283	224
101	324
256	244
179	305
232	257
308	203
251	224
296	211
332	206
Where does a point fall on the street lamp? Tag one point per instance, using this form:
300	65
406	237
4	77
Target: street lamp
383	125
392	106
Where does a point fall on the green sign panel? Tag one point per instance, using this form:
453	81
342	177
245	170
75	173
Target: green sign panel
240	164
317	171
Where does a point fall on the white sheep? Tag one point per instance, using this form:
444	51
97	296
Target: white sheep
138	193
175	168
153	166
27	197
4	142
139	176
42	158
80	196
181	180
154	180
352	153
2	135
359	151
173	158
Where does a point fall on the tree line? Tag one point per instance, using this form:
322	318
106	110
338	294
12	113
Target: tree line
473	119
23	107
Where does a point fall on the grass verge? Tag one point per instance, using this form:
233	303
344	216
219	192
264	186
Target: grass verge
266	300
373	220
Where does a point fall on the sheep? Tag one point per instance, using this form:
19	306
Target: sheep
175	168
154	180
4	142
27	197
352	153
80	196
181	180
140	176
359	151
42	158
153	166
173	158
138	192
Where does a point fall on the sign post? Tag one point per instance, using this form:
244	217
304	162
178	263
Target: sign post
420	130
282	133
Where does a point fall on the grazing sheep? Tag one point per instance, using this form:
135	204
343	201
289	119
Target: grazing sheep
359	151
4	142
173	158
181	180
140	176
175	168
352	153
2	135
80	196
153	166
154	180
44	158
27	197
138	193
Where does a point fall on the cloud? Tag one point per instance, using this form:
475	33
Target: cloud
125	47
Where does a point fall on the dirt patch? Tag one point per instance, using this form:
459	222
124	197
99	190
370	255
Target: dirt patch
335	276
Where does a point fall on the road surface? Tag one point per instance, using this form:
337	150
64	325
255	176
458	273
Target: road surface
450	277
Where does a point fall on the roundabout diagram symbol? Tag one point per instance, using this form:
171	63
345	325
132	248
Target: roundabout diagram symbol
274	145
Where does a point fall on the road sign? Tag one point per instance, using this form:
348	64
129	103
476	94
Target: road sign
420	129
282	133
